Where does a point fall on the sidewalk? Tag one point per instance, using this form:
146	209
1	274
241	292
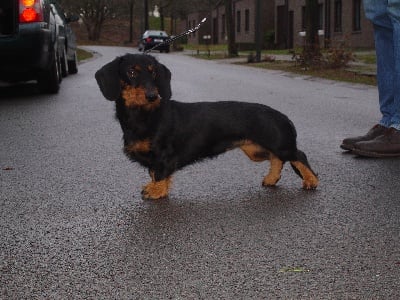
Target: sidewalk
357	67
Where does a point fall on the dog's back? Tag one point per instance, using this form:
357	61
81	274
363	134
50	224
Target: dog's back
228	123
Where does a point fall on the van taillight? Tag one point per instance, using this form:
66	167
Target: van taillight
30	11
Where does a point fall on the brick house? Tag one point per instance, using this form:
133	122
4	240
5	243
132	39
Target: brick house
284	21
244	22
339	21
191	21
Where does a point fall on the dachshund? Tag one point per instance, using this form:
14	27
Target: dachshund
165	135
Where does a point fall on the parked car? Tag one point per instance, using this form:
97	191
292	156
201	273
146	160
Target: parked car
67	40
32	43
151	38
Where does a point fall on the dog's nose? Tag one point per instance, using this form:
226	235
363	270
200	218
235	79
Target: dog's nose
152	96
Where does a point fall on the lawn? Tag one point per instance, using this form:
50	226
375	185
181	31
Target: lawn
353	75
362	71
83	54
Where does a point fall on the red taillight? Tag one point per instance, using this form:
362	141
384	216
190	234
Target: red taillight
148	40
30	11
28	2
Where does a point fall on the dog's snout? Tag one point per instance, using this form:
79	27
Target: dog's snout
152	95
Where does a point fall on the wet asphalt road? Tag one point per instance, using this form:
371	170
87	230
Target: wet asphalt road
73	225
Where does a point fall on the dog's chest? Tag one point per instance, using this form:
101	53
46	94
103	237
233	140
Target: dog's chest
135	124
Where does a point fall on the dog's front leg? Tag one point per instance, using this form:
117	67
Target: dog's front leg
156	188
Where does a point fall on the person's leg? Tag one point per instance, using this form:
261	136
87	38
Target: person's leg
377	12
394	14
387	38
385	72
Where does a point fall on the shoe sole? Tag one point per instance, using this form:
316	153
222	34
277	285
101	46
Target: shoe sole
347	147
374	154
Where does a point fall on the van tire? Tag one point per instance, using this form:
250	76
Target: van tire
49	80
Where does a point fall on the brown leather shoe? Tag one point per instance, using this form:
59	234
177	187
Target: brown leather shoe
377	130
387	145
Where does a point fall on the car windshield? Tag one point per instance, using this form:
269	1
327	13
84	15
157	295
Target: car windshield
155	33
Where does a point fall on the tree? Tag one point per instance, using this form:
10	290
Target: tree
311	51
93	13
146	14
131	6
230	29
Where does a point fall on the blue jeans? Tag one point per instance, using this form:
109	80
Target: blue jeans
385	16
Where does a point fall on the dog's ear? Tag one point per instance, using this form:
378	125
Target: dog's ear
163	81
108	80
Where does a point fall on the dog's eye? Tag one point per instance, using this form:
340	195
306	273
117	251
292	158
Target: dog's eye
132	74
152	71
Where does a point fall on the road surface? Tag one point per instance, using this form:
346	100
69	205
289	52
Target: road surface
73	224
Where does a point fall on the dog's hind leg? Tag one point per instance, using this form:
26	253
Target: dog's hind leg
274	171
303	169
156	189
257	153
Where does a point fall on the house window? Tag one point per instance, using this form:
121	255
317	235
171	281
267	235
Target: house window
247	20
338	16
320	17
238	21
356	15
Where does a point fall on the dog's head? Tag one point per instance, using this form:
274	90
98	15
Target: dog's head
139	79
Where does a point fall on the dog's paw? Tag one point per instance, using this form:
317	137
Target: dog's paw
148	196
156	190
270	180
310	184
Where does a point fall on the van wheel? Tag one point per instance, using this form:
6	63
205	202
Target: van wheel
49	80
73	65
64	64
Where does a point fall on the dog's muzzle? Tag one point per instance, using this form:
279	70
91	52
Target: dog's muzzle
152	96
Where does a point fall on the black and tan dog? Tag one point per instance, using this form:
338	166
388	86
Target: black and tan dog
164	135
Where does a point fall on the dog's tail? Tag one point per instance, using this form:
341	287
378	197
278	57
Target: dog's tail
302	168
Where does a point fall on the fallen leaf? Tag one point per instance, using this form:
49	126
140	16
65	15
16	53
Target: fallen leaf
293	270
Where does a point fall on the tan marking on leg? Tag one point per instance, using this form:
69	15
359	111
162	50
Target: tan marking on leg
136	97
143	146
310	181
157	189
254	151
274	172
